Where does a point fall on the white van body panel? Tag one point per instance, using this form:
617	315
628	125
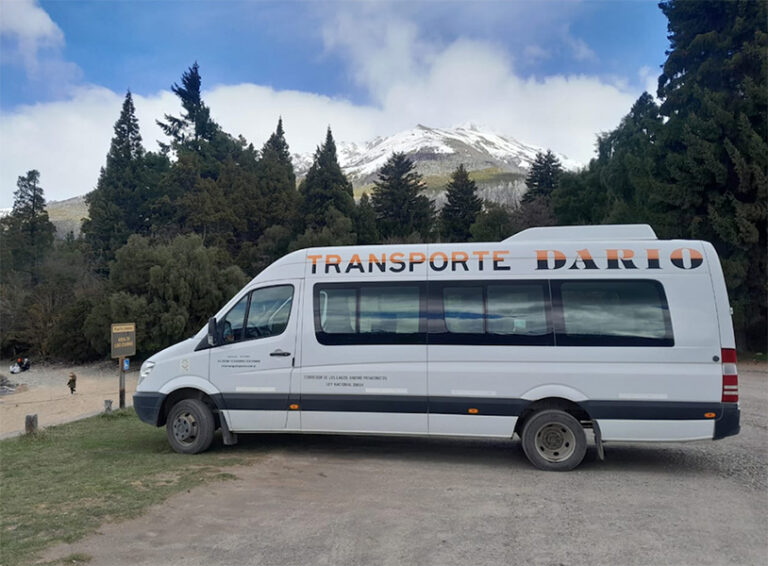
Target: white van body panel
617	430
439	385
189	382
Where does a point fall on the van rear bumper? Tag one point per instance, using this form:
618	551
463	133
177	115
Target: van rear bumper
729	422
147	407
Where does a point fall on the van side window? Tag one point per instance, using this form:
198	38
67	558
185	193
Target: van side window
370	313
612	313
464	310
263	312
518	310
492	313
231	326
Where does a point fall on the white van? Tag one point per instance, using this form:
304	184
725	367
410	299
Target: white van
545	334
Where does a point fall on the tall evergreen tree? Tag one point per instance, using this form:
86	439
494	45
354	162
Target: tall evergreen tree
27	233
714	91
119	205
325	187
544	176
277	180
619	184
365	222
400	209
195	123
462	208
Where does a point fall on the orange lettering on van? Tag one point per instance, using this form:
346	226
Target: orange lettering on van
441	256
585	257
498	258
542	259
480	257
414	258
459	258
380	263
332	260
314	259
626	259
397	258
677	258
653	258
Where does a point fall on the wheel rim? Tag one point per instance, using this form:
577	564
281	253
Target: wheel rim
185	428
555	442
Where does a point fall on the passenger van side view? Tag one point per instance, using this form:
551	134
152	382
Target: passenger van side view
549	335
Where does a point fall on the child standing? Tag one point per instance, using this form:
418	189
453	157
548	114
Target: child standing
72	383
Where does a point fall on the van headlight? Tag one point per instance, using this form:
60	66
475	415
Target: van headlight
146	369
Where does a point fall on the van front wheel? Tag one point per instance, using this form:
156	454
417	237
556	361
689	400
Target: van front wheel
190	426
554	440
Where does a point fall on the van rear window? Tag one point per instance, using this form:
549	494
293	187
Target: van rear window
612	313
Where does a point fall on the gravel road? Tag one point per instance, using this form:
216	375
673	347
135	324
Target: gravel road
362	500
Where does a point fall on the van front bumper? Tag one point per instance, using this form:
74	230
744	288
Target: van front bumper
729	422
147	407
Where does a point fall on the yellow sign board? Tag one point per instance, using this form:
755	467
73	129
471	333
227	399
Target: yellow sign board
123	339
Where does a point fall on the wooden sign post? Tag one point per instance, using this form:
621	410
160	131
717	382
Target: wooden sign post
123	346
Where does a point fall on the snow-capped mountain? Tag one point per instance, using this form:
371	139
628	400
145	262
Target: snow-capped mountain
435	151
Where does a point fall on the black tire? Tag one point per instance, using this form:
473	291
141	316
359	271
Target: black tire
190	426
553	440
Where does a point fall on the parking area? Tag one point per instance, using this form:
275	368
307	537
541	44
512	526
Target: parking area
373	500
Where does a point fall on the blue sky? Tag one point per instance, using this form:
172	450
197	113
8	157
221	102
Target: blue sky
550	73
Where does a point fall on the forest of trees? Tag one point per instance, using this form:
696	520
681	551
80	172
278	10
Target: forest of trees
171	235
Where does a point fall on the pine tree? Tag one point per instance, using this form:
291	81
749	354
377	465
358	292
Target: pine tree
714	147
277	181
120	204
194	124
400	210
493	223
27	233
544	176
619	184
325	187
462	208
365	222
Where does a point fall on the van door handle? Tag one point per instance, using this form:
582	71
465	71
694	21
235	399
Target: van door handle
280	353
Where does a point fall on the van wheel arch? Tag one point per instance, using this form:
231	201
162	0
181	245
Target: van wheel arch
188	393
557	403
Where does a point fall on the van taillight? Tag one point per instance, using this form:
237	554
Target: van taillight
730	376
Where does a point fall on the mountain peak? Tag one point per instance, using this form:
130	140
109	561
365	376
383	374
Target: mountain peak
499	162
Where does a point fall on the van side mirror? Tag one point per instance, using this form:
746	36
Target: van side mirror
212	331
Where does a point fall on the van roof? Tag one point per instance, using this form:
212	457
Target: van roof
585	233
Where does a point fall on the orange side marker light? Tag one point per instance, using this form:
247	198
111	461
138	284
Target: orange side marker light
473	411
710	415
293	407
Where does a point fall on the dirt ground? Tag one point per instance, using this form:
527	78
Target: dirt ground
386	500
45	393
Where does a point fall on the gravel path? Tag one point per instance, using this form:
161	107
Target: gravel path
375	500
46	394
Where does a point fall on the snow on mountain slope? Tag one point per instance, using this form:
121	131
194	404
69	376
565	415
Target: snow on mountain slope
435	151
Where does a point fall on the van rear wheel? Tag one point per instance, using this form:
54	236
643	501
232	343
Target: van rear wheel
190	426
553	440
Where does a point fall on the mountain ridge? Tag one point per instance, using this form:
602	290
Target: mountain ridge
498	164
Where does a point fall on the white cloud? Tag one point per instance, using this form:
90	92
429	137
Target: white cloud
579	48
650	78
67	141
440	85
31	28
534	53
409	79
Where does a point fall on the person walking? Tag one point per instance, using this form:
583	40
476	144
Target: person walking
72	383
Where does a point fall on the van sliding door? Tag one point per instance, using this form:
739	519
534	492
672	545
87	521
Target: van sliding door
364	357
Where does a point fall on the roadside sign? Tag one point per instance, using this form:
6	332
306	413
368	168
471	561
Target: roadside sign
126	364
123	339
